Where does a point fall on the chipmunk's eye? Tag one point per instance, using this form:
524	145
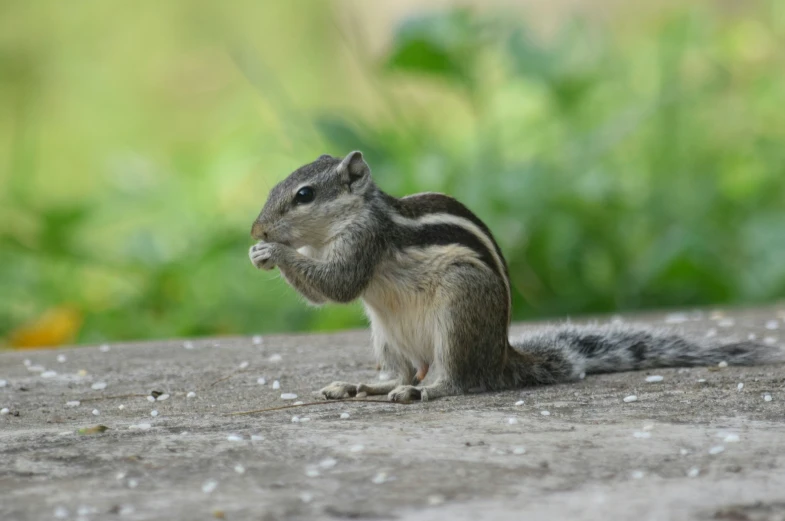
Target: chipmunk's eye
304	195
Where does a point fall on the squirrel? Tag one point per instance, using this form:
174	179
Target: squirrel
436	288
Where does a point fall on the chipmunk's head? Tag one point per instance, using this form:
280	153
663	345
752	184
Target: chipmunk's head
316	201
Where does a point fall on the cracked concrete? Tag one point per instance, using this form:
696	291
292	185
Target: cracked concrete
686	449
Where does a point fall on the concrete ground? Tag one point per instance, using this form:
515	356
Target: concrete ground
696	445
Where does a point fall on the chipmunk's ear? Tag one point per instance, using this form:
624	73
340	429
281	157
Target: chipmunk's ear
354	171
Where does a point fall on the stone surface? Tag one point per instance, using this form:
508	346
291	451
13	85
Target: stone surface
593	457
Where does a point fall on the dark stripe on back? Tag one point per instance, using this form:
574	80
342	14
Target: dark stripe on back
445	234
419	205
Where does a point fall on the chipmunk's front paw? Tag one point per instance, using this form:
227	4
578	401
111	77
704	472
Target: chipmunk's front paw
338	390
261	255
404	394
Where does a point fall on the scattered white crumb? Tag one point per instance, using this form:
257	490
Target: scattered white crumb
328	463
582	376
96	412
151	398
298	402
631	398
191	394
295	419
256	437
519	402
65	433
357	448
637	474
716	449
120	476
312	473
519	450
132	483
61	513
36	368
306	497
61	358
304	419
257	340
654	378
701	380
694	472
344	415
104	348
683	452
642	434
261	381
153	413
162	397
723	364
4	410
726	322
648	426
188	344
288	396
384	376
27	362
244	365
752	336
740	386
379	478
545	413
127	510
711	332
3	383
676	318
209	485
140	427
276	384
73	403
770	340
234	437
766	397
512	421
436	500
731	438
98	386
275	358
772	325
239	469
121	407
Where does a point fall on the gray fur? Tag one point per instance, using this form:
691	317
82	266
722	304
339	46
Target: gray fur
435	287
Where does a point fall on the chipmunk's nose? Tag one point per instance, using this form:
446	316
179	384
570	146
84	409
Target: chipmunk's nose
258	232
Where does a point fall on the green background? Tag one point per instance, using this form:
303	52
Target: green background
624	159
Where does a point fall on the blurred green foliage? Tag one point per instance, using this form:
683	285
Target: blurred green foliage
630	164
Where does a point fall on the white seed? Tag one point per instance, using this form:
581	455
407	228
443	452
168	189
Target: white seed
519	402
96	412
683	452
275	358
384	376
61	513
261	381
512	421
288	396
61	358
766	397
772	325
298	402
637	474
545	413
694	472
676	318
711	332
209	486
631	398
27	362
151	398
104	348
644	435
3	383
306	497
436	500
344	415
295	419
752	336
582	376
770	340
140	427
36	368
256	437
312	473
716	450
132	483
276	384
73	403
654	378
701	380
726	322
357	448
740	386
98	386
239	469
328	463
379	478
257	340
731	438
244	365
188	344
121	407
4	410
162	397
191	394
153	413
234	437
519	450
723	364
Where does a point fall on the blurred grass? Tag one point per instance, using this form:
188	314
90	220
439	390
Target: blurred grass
629	164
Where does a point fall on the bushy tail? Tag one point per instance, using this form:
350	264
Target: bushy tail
562	353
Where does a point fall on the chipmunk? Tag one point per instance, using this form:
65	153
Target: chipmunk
436	288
